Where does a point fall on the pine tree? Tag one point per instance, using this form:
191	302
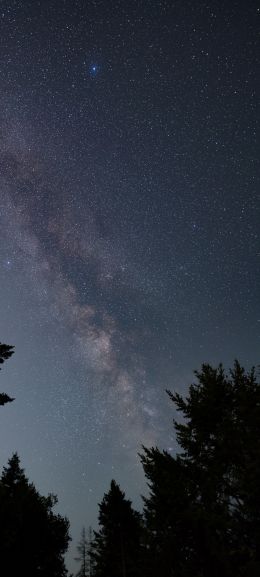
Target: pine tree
170	526
6	351
84	549
203	512
33	539
116	546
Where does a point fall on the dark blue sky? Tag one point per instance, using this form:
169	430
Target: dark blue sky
129	227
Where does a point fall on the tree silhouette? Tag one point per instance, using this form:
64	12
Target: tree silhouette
168	515
6	351
116	546
84	550
203	511
33	539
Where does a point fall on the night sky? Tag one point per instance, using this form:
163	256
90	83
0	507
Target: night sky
128	227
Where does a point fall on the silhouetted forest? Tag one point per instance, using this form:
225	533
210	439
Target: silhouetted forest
201	517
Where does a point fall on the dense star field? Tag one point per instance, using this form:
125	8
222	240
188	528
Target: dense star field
128	227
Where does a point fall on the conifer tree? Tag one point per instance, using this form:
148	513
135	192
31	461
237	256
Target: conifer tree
116	546
6	351
203	511
84	550
33	539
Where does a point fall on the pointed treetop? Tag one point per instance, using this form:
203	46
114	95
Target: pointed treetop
13	473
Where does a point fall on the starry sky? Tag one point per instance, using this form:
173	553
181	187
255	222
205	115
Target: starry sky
129	183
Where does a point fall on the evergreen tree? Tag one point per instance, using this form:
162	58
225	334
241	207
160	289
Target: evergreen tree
116	546
33	539
170	524
6	351
84	550
203	512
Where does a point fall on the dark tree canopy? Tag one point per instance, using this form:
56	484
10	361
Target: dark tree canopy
116	546
6	351
203	511
33	539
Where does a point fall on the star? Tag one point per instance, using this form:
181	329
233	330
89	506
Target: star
93	69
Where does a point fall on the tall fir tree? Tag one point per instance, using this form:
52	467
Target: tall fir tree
116	547
203	511
84	551
33	539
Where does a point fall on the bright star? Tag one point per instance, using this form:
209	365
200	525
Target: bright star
7	264
93	69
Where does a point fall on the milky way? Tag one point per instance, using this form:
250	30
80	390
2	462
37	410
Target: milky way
129	227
